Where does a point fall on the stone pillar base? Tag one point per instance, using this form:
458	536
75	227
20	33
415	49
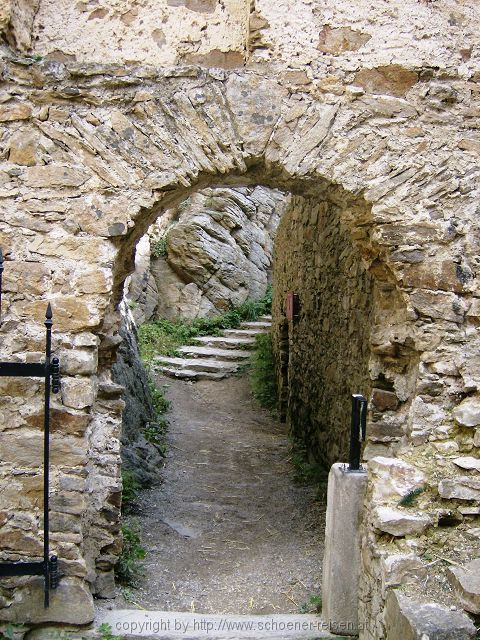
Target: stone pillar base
341	565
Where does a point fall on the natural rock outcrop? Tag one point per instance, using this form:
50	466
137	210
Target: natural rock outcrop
216	252
138	454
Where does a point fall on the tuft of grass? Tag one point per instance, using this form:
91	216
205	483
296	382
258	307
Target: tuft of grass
158	247
410	498
130	488
129	568
106	632
313	604
160	403
262	376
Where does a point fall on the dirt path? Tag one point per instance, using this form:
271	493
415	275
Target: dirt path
228	531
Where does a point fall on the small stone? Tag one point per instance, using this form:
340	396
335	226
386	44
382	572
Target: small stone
465	582
476	438
416	620
105	585
391	79
399	523
460	488
468	462
384	400
468	412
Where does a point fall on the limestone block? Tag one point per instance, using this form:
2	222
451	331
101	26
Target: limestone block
78	393
66	422
93	281
392	80
17	111
25	277
393	477
399	523
78	362
465	581
467	413
468	462
460	488
69	313
23	148
411	619
70	603
54	176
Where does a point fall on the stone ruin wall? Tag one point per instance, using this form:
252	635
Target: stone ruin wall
380	108
323	354
217	253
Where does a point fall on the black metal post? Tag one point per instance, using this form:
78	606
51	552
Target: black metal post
46	454
358	430
1	274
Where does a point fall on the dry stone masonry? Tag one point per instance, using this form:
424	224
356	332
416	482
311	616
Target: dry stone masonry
370	119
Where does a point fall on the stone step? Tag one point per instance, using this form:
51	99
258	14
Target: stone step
244	333
196	364
212	352
224	342
172	625
189	374
257	324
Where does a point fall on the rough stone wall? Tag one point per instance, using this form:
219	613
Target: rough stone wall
218	253
328	344
93	154
161	32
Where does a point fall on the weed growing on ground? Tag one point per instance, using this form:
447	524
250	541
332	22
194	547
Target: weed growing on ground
130	488
129	568
262	376
106	633
12	631
312	605
307	472
164	337
410	498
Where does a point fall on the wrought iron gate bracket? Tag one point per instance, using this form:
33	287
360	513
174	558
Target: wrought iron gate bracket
50	372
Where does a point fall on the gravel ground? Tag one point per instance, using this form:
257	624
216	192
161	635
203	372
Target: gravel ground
228	530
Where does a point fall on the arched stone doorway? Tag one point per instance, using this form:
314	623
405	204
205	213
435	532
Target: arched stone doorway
98	168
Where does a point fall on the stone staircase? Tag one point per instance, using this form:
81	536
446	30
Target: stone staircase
214	357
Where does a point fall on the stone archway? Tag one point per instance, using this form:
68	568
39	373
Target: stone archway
86	176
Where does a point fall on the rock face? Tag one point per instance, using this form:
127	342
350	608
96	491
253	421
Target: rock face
218	252
137	453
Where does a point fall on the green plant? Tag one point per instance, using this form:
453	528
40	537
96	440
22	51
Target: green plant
158	247
105	631
262	377
12	631
160	403
130	488
155	433
410	498
184	204
129	568
307	472
313	605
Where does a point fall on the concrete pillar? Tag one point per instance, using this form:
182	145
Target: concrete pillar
341	565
